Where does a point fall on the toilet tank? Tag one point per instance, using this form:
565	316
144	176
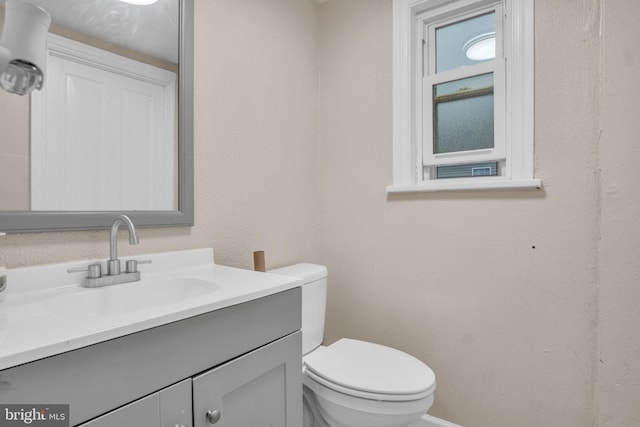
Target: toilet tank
314	301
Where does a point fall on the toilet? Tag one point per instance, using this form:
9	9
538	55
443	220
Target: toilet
353	383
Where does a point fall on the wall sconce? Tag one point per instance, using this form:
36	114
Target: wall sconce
23	47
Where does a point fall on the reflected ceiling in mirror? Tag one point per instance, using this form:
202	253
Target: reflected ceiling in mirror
149	29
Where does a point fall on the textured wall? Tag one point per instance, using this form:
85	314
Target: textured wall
509	296
14	148
255	144
524	303
14	151
619	319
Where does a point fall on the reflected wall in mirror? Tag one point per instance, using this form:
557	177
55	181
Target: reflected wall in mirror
111	131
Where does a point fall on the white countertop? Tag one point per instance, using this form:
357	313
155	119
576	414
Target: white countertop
45	311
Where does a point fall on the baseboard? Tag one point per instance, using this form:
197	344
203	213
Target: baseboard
430	421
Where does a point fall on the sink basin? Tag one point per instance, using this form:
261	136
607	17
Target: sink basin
129	297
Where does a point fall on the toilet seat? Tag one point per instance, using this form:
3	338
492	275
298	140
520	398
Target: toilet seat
370	371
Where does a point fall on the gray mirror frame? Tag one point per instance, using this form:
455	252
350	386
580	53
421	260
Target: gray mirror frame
43	221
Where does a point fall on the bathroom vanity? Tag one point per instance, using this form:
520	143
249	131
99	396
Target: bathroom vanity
214	345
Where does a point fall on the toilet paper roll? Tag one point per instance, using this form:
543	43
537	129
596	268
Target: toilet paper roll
258	261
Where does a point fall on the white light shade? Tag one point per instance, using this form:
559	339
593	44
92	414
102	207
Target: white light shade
24	37
481	48
140	2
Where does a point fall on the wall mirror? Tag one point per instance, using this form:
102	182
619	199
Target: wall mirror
112	130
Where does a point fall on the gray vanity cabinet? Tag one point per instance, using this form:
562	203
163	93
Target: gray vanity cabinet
243	361
170	407
261	388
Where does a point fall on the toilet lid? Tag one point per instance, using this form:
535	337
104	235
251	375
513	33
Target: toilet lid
370	368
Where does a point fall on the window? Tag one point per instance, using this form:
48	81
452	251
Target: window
463	95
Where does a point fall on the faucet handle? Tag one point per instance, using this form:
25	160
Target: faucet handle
132	265
95	270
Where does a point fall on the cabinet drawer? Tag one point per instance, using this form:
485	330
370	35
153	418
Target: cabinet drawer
167	408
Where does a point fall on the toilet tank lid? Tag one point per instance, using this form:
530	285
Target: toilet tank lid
307	272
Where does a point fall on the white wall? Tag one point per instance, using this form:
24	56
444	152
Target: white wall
255	144
618	321
512	297
293	152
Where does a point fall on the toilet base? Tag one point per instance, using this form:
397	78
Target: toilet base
321	410
311	415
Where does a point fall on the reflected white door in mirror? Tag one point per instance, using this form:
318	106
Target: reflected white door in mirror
120	152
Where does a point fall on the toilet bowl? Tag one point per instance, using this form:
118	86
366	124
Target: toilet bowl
353	383
357	384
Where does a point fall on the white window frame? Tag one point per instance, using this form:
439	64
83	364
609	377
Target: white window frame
432	78
518	43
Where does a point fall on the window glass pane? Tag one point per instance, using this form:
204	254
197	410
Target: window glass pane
463	115
466	42
470	170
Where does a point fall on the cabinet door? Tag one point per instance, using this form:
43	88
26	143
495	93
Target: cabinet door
169	407
260	389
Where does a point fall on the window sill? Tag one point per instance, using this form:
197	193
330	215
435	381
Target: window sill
524	184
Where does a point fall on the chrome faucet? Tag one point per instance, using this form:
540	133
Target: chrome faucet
113	266
114	275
